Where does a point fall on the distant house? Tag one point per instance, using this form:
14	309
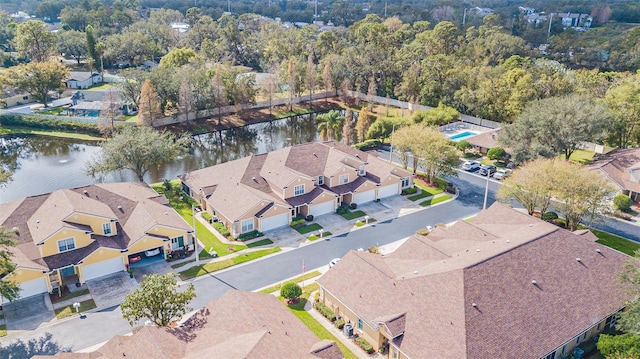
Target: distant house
526	10
237	325
505	282
569	19
83	80
74	235
622	168
482	11
485	141
265	191
12	98
536	18
180	27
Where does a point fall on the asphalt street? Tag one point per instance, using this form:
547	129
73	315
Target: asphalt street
97	327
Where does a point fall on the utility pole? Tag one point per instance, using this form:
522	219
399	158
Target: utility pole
385	9
229	5
549	31
195	239
464	17
315	16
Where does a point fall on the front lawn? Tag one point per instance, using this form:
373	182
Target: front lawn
313	325
435	200
297	279
183	208
216	266
314	236
262	242
70	310
349	215
611	240
581	156
308	228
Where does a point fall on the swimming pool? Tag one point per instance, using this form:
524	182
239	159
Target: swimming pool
462	135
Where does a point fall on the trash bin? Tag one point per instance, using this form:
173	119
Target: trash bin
577	353
348	330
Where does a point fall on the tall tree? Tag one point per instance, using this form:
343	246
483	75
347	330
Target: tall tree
159	299
330	125
90	39
38	79
530	185
138	149
34	40
624	101
72	43
9	289
109	113
311	75
365	119
629	320
556	126
178	57
149	107
186	101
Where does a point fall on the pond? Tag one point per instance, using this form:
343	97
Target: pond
44	164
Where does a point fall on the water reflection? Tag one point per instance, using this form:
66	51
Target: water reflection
45	164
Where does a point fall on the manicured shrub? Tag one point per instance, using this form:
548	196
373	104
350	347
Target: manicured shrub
309	218
463	146
207	217
411	190
549	216
339	323
353	205
291	291
250	235
368	145
622	203
325	311
222	229
342	210
297	222
362	343
496	153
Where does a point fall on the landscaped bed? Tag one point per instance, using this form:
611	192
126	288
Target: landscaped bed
70	310
297	279
349	215
314	236
216	266
435	200
67	295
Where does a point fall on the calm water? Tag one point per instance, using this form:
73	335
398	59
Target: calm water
45	164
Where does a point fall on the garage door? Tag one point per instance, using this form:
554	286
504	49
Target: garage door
103	268
322	208
278	221
365	197
388	191
32	287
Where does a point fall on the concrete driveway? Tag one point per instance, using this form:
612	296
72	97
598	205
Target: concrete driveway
27	313
109	291
159	266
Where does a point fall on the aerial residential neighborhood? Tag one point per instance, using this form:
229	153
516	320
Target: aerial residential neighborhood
319	179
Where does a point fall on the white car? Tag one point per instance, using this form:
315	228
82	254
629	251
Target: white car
333	262
501	174
471	166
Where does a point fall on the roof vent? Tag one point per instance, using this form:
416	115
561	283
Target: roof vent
508	241
415	272
474	305
598	250
478	250
15	229
37	221
85	192
119	207
166	213
531	225
578	260
534	282
254	179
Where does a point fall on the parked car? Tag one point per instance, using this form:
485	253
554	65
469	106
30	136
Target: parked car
487	170
333	262
152	252
501	174
471	166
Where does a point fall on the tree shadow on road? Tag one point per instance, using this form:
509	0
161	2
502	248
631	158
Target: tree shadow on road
37	346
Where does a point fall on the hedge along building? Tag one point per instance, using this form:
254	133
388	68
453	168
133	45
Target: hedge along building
75	235
266	191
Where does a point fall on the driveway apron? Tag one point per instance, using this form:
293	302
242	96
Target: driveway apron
27	313
110	291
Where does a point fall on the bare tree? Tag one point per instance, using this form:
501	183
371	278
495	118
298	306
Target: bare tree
109	113
186	99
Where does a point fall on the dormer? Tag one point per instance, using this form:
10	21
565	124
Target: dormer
320	180
362	171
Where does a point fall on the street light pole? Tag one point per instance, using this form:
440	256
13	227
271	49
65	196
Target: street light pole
195	239
393	128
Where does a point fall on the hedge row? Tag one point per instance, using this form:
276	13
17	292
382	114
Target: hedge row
49	124
326	312
362	343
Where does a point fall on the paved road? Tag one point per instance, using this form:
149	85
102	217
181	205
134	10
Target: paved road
97	327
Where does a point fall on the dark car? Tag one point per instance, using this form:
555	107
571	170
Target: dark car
487	170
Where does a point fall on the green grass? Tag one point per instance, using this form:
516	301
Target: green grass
314	237
615	242
308	228
6	130
426	190
72	295
353	215
313	325
582	156
56	111
297	279
3	330
435	200
204	234
104	86
262	242
216	266
131	118
361	223
69	310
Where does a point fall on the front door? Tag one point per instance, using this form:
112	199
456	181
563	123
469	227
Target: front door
65	272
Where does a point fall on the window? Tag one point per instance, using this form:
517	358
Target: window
106	228
298	190
344	179
320	180
177	242
395	353
361	171
66	245
247	225
360	324
405	182
25	97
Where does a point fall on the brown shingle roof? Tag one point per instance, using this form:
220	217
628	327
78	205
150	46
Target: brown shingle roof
622	165
436	281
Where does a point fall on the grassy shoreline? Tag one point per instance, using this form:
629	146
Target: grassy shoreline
11	130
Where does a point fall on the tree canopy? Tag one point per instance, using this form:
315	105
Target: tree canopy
9	289
158	299
291	291
138	149
38	79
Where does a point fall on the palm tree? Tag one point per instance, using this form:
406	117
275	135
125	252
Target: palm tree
330	125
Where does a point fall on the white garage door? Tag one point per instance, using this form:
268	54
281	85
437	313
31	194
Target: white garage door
278	221
322	208
388	191
365	197
103	268
31	287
